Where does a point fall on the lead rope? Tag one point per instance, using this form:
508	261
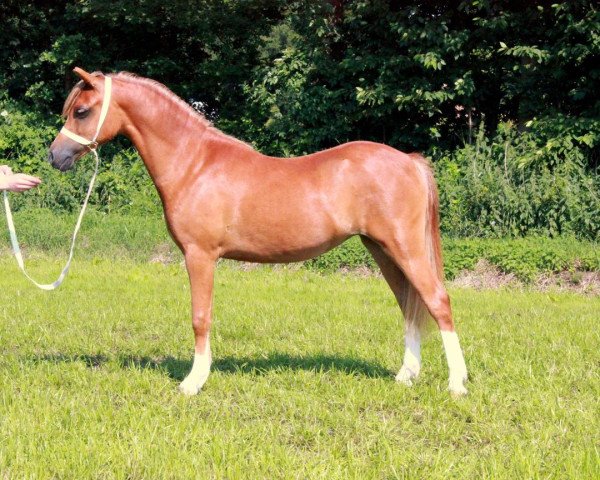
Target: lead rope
92	145
15	242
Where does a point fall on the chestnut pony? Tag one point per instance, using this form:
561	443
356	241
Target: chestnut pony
222	198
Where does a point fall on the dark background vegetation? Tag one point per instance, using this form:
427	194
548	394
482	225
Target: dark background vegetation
501	95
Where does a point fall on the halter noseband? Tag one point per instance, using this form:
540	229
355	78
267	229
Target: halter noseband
93	144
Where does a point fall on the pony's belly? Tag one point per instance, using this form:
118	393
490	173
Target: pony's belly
278	252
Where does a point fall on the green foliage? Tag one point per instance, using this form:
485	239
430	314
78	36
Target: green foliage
422	74
202	49
350	255
520	182
123	183
295	77
526	257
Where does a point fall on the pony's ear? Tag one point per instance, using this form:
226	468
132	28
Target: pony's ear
85	76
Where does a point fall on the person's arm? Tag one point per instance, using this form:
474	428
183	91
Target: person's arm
16	182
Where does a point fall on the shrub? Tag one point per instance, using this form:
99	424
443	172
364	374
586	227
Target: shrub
524	257
519	183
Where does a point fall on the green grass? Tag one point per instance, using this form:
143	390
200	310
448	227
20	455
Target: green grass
302	383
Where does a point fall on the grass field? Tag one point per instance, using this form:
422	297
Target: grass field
302	383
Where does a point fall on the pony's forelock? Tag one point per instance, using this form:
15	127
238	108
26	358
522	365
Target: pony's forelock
74	95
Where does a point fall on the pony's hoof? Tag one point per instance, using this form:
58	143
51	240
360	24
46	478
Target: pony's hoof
406	376
457	388
189	389
191	386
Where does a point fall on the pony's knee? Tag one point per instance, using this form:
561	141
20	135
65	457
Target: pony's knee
201	324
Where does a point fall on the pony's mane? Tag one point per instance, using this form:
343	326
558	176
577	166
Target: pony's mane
163	91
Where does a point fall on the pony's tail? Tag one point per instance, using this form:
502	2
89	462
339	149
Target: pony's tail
415	311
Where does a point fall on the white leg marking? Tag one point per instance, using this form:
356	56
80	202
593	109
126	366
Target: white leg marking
412	357
197	377
456	363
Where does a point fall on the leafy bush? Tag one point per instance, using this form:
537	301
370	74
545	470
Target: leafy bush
351	254
519	183
524	257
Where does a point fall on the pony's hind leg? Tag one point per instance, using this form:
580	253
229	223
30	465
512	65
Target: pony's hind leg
201	272
413	309
412	258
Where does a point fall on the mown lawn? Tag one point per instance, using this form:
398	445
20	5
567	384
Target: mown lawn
302	383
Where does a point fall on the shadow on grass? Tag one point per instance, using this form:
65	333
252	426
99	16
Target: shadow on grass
177	369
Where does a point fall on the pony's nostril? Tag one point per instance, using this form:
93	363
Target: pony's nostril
50	157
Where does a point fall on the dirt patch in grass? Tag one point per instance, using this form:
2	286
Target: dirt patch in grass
487	276
587	283
164	254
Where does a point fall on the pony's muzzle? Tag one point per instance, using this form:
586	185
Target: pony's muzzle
62	159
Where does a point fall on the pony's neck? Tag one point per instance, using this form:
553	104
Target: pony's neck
166	131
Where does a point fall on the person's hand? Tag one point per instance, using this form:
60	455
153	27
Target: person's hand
18	182
5	170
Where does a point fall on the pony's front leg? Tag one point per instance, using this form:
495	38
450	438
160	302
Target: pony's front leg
200	267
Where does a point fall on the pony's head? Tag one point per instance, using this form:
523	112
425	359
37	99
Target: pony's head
82	112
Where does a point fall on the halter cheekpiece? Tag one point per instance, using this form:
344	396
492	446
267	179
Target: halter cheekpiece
93	144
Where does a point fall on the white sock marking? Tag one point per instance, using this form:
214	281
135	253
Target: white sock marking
456	362
412	357
197	377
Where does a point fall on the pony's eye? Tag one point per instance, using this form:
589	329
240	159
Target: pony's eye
81	112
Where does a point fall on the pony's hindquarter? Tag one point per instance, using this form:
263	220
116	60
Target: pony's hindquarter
410	259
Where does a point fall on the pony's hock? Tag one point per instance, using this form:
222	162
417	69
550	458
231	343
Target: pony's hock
222	198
